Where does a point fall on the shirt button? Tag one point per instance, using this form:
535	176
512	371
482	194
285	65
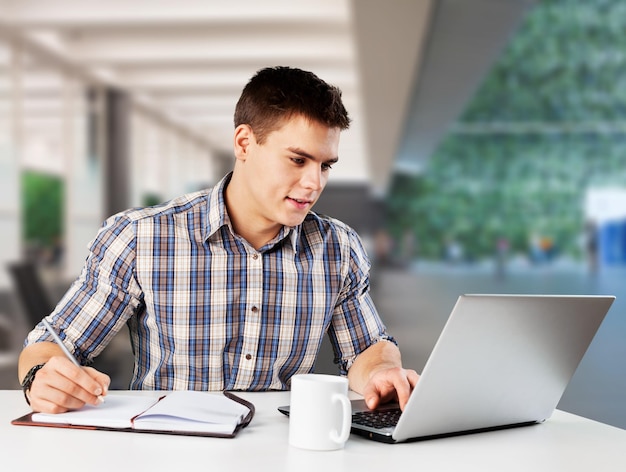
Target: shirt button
255	309
248	357
255	256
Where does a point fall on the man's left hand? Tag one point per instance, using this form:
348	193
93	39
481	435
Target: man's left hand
386	385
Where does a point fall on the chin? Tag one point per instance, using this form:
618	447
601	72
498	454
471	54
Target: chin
294	221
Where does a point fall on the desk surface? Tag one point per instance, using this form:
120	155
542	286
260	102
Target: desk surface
565	442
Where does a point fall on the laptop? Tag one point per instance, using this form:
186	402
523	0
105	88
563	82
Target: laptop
501	361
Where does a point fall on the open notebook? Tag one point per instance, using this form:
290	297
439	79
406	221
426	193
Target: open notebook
180	412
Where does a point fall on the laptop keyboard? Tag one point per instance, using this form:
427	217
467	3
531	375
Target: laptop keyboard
377	418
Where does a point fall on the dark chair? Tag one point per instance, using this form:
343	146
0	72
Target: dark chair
116	359
31	291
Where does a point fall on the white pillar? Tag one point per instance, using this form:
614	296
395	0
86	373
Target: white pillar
83	176
10	144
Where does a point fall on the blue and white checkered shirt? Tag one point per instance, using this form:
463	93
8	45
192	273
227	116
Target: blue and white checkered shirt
206	310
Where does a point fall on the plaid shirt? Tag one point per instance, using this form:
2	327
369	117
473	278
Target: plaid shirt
206	310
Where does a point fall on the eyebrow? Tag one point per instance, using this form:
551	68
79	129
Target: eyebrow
302	153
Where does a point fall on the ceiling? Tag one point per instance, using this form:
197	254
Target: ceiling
406	67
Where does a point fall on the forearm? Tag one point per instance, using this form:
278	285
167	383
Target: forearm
37	353
380	356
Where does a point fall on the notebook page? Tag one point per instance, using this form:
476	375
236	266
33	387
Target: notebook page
117	411
193	411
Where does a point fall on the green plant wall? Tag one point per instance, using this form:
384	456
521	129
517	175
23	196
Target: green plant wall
548	123
42	215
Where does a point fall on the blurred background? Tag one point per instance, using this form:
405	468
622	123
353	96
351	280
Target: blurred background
486	152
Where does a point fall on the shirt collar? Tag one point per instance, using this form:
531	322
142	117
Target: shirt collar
217	215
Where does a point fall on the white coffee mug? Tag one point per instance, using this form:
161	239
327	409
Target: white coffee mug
320	414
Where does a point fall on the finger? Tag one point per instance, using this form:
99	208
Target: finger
403	390
92	383
380	389
45	406
102	379
371	396
413	378
50	400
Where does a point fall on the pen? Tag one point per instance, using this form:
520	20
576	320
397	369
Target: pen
65	350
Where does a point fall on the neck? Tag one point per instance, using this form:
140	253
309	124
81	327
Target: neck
250	226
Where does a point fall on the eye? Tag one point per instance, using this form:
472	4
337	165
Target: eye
297	160
326	166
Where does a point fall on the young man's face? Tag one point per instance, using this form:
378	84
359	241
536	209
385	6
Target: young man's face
284	176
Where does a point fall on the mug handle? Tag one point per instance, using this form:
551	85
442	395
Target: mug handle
346	423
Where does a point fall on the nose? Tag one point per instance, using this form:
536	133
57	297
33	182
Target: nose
313	177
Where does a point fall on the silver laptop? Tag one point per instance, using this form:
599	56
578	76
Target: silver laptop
501	361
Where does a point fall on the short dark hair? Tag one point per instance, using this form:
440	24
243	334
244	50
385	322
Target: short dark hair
275	94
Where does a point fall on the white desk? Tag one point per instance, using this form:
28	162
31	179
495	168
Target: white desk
564	443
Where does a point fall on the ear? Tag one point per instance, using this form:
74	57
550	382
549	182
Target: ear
242	139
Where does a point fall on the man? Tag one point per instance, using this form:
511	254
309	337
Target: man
233	287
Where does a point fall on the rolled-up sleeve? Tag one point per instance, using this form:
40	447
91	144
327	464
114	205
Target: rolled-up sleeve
356	324
104	296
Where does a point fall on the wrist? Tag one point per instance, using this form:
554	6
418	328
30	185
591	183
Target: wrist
28	380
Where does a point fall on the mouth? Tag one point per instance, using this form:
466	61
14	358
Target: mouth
300	202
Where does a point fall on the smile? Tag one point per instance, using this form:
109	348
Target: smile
300	203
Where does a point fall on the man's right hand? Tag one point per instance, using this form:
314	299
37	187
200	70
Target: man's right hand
60	385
